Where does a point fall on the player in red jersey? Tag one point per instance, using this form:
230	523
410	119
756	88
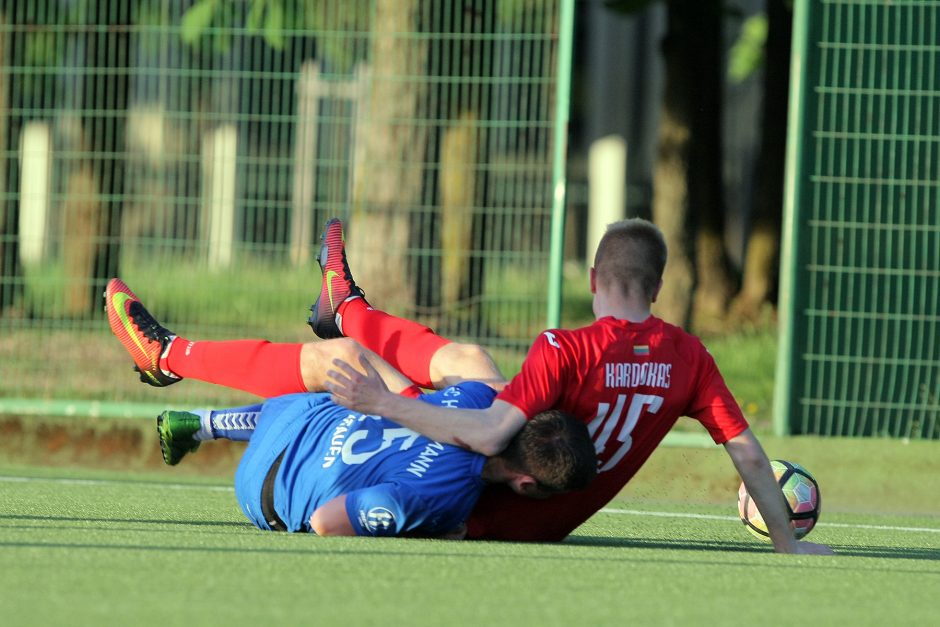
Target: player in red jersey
629	376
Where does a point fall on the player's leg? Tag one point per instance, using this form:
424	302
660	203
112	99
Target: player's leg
162	358
316	358
181	432
413	349
259	367
426	358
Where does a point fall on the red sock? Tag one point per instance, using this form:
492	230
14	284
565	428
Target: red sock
407	345
255	366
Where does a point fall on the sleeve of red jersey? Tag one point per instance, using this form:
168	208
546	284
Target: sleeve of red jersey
713	404
537	387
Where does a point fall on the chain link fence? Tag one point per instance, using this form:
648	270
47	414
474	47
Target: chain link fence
196	148
860	350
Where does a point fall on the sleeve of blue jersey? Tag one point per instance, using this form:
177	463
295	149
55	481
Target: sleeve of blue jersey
471	395
384	510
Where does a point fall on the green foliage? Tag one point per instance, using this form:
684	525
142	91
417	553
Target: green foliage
41	49
197	19
268	18
332	28
747	53
213	21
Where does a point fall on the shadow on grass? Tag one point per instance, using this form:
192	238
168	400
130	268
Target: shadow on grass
143	521
374	547
912	553
316	547
659	543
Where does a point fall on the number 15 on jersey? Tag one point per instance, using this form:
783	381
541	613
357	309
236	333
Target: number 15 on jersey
607	419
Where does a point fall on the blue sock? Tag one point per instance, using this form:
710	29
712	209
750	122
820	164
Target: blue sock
236	423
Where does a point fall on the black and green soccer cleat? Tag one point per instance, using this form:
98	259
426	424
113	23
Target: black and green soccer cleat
176	430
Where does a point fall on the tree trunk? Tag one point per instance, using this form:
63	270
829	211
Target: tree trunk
761	263
83	216
671	175
104	101
688	196
457	183
670	211
715	284
388	180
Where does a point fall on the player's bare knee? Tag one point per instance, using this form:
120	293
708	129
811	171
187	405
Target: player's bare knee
464	362
316	358
347	349
470	354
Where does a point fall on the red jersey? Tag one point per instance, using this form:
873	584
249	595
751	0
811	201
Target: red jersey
629	382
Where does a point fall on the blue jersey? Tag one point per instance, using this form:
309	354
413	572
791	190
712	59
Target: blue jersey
396	481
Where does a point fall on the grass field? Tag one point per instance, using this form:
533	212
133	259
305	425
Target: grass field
95	531
85	547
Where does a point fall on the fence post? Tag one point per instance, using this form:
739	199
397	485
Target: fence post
559	160
219	153
35	191
305	155
607	170
362	85
458	185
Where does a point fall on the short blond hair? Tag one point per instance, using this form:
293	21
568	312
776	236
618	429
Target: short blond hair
631	253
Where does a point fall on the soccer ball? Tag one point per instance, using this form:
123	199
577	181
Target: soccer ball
801	493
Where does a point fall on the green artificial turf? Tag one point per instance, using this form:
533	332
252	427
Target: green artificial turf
106	548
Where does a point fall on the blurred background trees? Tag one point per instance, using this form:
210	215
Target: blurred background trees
705	124
708	49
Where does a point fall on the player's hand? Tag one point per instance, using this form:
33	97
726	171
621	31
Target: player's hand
355	389
811	548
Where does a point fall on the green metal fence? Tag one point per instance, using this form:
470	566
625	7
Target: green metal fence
196	148
860	349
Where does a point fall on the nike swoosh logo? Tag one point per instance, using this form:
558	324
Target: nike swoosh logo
329	286
118	302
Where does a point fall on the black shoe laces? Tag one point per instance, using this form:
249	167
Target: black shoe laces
146	324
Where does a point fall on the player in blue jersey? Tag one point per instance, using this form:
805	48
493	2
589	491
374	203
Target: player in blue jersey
312	465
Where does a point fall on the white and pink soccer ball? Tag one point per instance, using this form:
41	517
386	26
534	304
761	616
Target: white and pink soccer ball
801	493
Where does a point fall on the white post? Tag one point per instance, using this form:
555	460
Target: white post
35	191
220	151
305	155
607	173
361	100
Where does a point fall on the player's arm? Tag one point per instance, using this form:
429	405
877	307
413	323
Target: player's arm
485	431
752	464
331	519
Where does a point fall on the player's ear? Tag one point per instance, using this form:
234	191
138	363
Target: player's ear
593	281
524	484
656	291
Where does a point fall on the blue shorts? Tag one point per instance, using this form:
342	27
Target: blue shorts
275	430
